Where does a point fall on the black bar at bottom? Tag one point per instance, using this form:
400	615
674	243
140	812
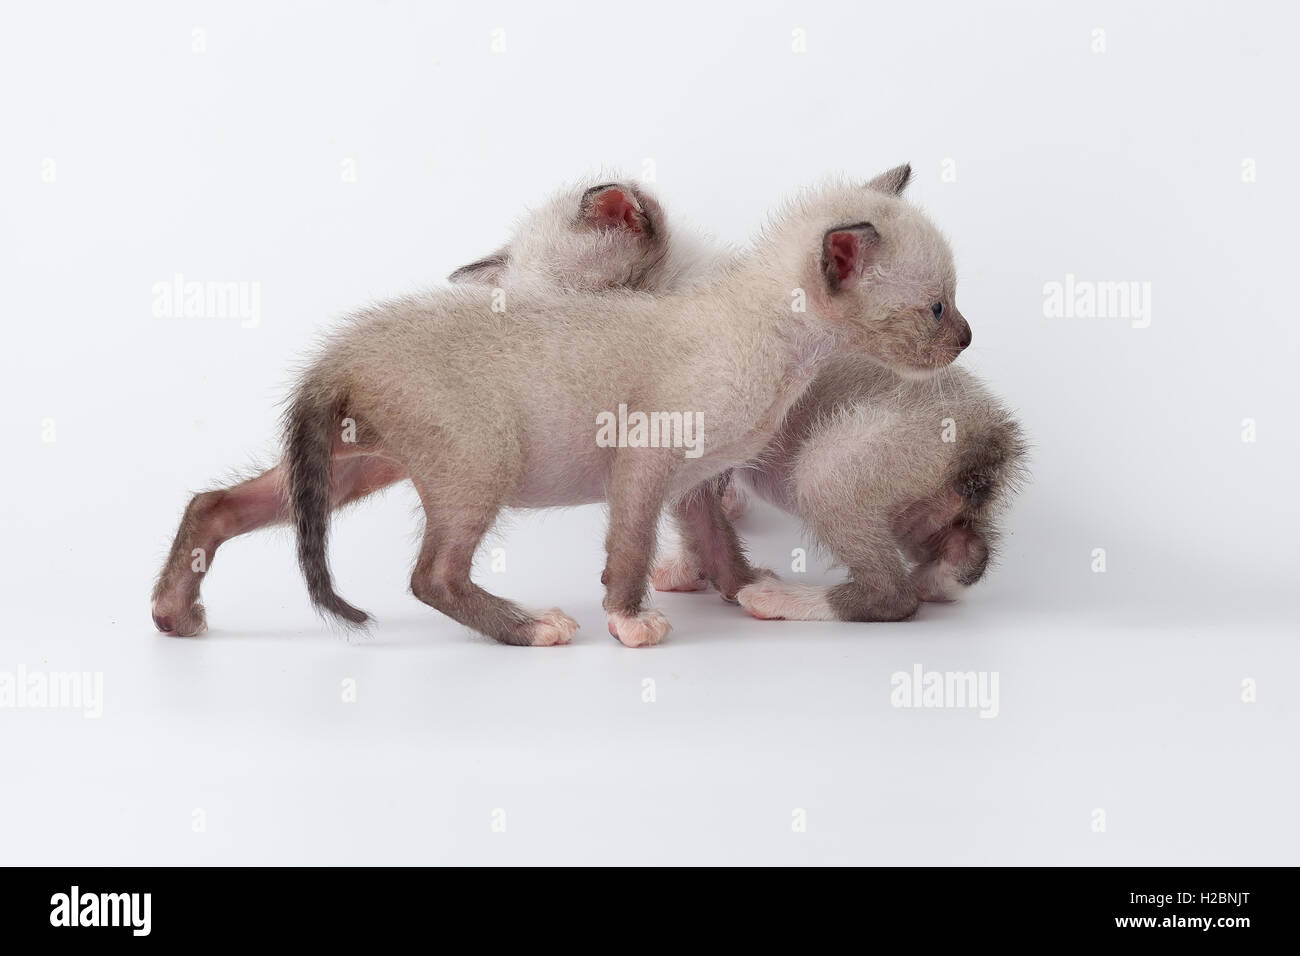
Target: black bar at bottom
642	907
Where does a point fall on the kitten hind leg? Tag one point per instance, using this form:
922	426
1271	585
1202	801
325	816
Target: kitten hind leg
878	588
703	531
214	517
441	579
735	500
771	599
708	535
877	592
210	519
869	594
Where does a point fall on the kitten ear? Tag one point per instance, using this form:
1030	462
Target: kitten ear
892	181
611	206
846	252
485	271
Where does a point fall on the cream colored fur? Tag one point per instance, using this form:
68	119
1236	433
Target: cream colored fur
872	460
488	408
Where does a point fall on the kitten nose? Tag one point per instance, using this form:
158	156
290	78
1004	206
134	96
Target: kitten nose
964	336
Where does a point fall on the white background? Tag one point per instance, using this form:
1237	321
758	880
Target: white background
1120	691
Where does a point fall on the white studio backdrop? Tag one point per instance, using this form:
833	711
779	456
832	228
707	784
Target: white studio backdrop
328	155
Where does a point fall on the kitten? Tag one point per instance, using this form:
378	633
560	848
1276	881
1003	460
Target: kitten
485	408
594	237
588	237
872	461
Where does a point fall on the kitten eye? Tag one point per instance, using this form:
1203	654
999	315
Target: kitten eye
937	310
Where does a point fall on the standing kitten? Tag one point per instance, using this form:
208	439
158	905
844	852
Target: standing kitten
874	463
486	411
585	238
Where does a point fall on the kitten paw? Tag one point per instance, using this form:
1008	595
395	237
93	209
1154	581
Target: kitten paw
962	558
771	599
728	591
639	630
189	622
551	628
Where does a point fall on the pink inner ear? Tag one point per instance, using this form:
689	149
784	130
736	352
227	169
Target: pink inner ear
613	209
844	248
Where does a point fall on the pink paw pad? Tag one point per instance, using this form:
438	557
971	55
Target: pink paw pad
645	629
553	627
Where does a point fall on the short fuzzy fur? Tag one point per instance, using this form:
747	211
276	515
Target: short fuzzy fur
487	409
876	463
560	245
596	235
576	240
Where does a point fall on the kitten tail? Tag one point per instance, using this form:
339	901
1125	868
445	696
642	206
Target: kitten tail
309	441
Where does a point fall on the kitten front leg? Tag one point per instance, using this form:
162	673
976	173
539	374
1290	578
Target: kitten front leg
955	558
949	538
638	484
